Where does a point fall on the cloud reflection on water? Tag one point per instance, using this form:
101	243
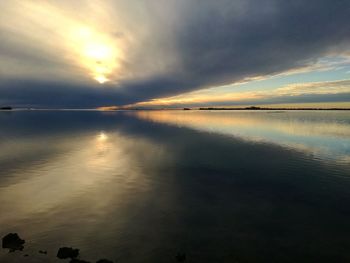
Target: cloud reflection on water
325	135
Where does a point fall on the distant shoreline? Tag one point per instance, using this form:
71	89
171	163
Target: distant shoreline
267	108
185	109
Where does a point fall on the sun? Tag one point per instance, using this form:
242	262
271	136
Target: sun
101	54
101	58
101	79
98	53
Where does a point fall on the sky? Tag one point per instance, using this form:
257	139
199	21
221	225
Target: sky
174	53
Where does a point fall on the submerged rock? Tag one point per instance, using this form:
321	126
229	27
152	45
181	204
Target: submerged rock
74	260
13	242
181	257
43	252
67	252
104	261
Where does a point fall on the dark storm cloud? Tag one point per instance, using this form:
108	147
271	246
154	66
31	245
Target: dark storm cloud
44	94
265	37
217	42
225	41
57	94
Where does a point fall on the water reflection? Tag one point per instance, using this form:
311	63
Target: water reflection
64	178
143	186
72	183
102	137
325	135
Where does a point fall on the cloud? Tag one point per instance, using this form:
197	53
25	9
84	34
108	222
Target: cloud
163	48
328	91
326	87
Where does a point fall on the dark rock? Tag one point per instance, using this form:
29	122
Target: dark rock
43	252
26	255
13	242
104	261
181	257
6	108
67	252
74	260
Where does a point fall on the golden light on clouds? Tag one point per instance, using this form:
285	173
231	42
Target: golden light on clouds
213	95
68	47
103	42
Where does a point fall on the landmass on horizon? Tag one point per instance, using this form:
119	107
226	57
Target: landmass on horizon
250	108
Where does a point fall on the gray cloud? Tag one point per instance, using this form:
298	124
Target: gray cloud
211	42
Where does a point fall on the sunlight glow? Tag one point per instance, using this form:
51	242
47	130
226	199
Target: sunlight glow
97	51
88	48
101	79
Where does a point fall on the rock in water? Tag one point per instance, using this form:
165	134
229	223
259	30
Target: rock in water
6	108
104	261
180	257
67	252
74	260
13	242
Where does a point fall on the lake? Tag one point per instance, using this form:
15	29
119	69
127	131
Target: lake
142	186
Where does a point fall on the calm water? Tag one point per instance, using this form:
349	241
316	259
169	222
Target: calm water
143	186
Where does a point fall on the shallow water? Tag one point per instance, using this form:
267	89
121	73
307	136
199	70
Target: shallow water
141	186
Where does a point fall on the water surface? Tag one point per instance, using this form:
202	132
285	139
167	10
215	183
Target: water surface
141	186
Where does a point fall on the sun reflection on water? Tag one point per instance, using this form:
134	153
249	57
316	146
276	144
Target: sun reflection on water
88	165
102	136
